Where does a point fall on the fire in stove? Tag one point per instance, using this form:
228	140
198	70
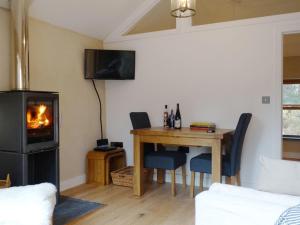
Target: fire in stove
38	117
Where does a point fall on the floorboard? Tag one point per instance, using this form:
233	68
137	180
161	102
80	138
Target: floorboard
156	207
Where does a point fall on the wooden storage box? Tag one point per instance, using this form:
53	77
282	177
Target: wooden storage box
100	164
5	183
124	176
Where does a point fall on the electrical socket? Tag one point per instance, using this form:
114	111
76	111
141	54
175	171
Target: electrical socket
266	99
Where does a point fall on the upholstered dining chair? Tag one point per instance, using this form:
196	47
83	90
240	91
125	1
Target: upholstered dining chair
162	158
231	161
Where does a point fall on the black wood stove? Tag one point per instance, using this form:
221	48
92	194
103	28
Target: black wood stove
29	138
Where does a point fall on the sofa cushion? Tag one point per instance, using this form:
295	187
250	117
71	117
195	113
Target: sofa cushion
279	176
290	217
27	205
232	205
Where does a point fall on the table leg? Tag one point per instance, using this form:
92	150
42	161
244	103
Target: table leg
138	184
216	161
161	176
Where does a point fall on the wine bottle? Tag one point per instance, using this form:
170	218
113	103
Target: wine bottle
171	119
177	118
166	116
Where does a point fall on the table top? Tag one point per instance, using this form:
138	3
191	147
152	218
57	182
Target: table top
183	132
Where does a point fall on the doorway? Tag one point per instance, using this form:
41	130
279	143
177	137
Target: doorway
291	97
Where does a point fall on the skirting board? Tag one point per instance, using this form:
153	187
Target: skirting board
73	182
76	181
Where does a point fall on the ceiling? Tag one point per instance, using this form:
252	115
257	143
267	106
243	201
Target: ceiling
226	10
99	18
95	18
215	11
157	19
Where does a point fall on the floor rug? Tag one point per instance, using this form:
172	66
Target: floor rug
69	209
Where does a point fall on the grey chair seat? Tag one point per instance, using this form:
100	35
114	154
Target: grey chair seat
202	164
168	160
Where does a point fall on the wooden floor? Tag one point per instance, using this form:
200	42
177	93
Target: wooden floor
156	207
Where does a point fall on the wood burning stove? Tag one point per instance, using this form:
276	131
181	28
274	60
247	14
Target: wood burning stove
29	138
29	121
39	120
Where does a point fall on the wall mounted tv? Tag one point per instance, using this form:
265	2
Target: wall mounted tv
109	64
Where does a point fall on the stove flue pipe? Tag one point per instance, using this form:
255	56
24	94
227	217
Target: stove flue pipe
20	45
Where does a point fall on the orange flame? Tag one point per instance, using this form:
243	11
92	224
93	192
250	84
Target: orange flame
37	118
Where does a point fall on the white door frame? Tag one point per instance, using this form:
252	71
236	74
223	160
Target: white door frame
280	31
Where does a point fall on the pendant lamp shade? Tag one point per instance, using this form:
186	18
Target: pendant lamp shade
183	8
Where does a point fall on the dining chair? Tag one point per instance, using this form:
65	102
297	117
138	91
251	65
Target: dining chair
161	158
231	161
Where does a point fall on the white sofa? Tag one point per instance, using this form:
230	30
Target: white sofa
230	205
28	205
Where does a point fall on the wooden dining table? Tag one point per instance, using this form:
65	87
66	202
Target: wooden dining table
181	137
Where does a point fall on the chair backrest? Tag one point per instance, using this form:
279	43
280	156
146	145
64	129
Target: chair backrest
141	120
238	141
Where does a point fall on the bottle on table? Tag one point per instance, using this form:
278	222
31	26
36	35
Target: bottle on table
178	122
166	116
171	119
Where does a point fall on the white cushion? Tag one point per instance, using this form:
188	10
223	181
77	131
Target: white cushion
279	176
28	205
242	192
216	208
231	205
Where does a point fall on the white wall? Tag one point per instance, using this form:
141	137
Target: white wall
215	72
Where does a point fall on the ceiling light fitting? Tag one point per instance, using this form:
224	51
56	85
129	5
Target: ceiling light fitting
183	8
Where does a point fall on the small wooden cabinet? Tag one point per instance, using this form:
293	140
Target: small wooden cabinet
100	164
5	183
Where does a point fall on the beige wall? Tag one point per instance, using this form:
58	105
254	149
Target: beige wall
56	64
4	49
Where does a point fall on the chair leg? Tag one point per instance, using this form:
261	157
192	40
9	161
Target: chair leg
201	182
233	180
150	175
227	180
183	176
238	179
192	187
161	176
173	182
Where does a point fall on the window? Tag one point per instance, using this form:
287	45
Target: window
291	108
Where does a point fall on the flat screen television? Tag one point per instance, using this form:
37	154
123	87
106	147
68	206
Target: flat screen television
109	64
